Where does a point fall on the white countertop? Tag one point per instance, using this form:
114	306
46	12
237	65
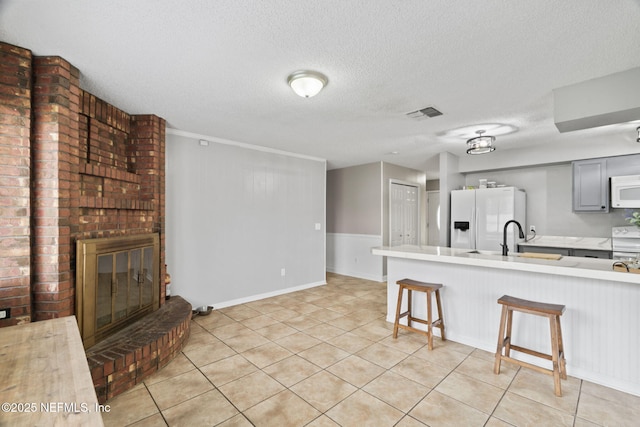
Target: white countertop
592	268
589	243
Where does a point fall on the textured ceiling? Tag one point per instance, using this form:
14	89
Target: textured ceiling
219	68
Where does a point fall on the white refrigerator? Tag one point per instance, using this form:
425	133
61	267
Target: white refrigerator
478	217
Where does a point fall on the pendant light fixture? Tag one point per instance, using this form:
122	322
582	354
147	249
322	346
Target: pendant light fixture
480	144
307	83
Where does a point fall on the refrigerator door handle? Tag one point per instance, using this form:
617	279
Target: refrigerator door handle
474	235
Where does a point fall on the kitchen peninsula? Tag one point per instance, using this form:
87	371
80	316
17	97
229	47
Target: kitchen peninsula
599	325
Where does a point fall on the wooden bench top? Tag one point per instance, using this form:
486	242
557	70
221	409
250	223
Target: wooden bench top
540	307
44	373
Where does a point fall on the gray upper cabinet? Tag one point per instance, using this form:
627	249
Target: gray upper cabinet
590	186
591	180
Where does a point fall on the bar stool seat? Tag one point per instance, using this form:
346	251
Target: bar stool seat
428	288
550	311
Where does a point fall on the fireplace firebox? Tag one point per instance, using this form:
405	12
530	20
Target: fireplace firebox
117	283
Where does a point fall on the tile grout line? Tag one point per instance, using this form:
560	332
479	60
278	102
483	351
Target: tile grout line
217	389
502	397
575	415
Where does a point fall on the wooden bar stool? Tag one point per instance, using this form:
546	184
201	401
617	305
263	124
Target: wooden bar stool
428	288
550	311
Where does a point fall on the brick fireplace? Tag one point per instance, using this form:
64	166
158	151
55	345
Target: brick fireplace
72	167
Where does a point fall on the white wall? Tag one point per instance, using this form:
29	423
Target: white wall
236	216
350	254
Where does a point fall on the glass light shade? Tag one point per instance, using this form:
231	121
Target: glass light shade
307	83
480	144
638	130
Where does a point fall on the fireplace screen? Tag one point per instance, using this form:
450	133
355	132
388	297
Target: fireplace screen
118	282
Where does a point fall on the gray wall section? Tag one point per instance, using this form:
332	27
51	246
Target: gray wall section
358	203
358	197
549	203
433	185
354	204
237	216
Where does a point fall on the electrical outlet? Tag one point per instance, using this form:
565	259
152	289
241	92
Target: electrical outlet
532	228
283	272
5	313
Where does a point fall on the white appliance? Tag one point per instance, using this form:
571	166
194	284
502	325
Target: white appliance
625	242
625	191
478	217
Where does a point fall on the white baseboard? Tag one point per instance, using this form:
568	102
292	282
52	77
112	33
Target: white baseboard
358	274
257	297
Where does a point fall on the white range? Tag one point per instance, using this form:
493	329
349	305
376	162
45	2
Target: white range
626	243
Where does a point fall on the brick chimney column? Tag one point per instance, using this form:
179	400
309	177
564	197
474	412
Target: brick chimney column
55	142
146	152
15	163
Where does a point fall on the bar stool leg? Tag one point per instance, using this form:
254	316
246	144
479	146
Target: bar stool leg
503	321
507	345
409	306
395	324
563	363
439	304
554	355
429	323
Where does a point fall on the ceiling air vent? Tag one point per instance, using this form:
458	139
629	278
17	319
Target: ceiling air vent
425	112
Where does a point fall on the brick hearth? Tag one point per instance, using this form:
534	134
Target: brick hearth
132	354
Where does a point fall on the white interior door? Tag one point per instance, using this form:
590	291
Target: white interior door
404	213
433	218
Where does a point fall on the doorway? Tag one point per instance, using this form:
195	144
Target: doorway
404	214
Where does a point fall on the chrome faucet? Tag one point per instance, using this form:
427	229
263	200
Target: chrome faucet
505	248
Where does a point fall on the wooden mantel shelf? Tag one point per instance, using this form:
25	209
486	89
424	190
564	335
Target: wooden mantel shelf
44	376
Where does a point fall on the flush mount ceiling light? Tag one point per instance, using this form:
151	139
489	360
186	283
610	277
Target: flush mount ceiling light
480	144
468	131
307	83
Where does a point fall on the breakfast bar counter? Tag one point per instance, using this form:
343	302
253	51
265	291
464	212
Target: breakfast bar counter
599	326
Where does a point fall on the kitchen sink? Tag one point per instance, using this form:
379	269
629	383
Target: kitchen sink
517	254
481	252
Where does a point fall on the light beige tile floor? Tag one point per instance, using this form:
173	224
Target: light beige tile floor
325	357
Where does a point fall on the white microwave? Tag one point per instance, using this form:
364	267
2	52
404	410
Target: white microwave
625	191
